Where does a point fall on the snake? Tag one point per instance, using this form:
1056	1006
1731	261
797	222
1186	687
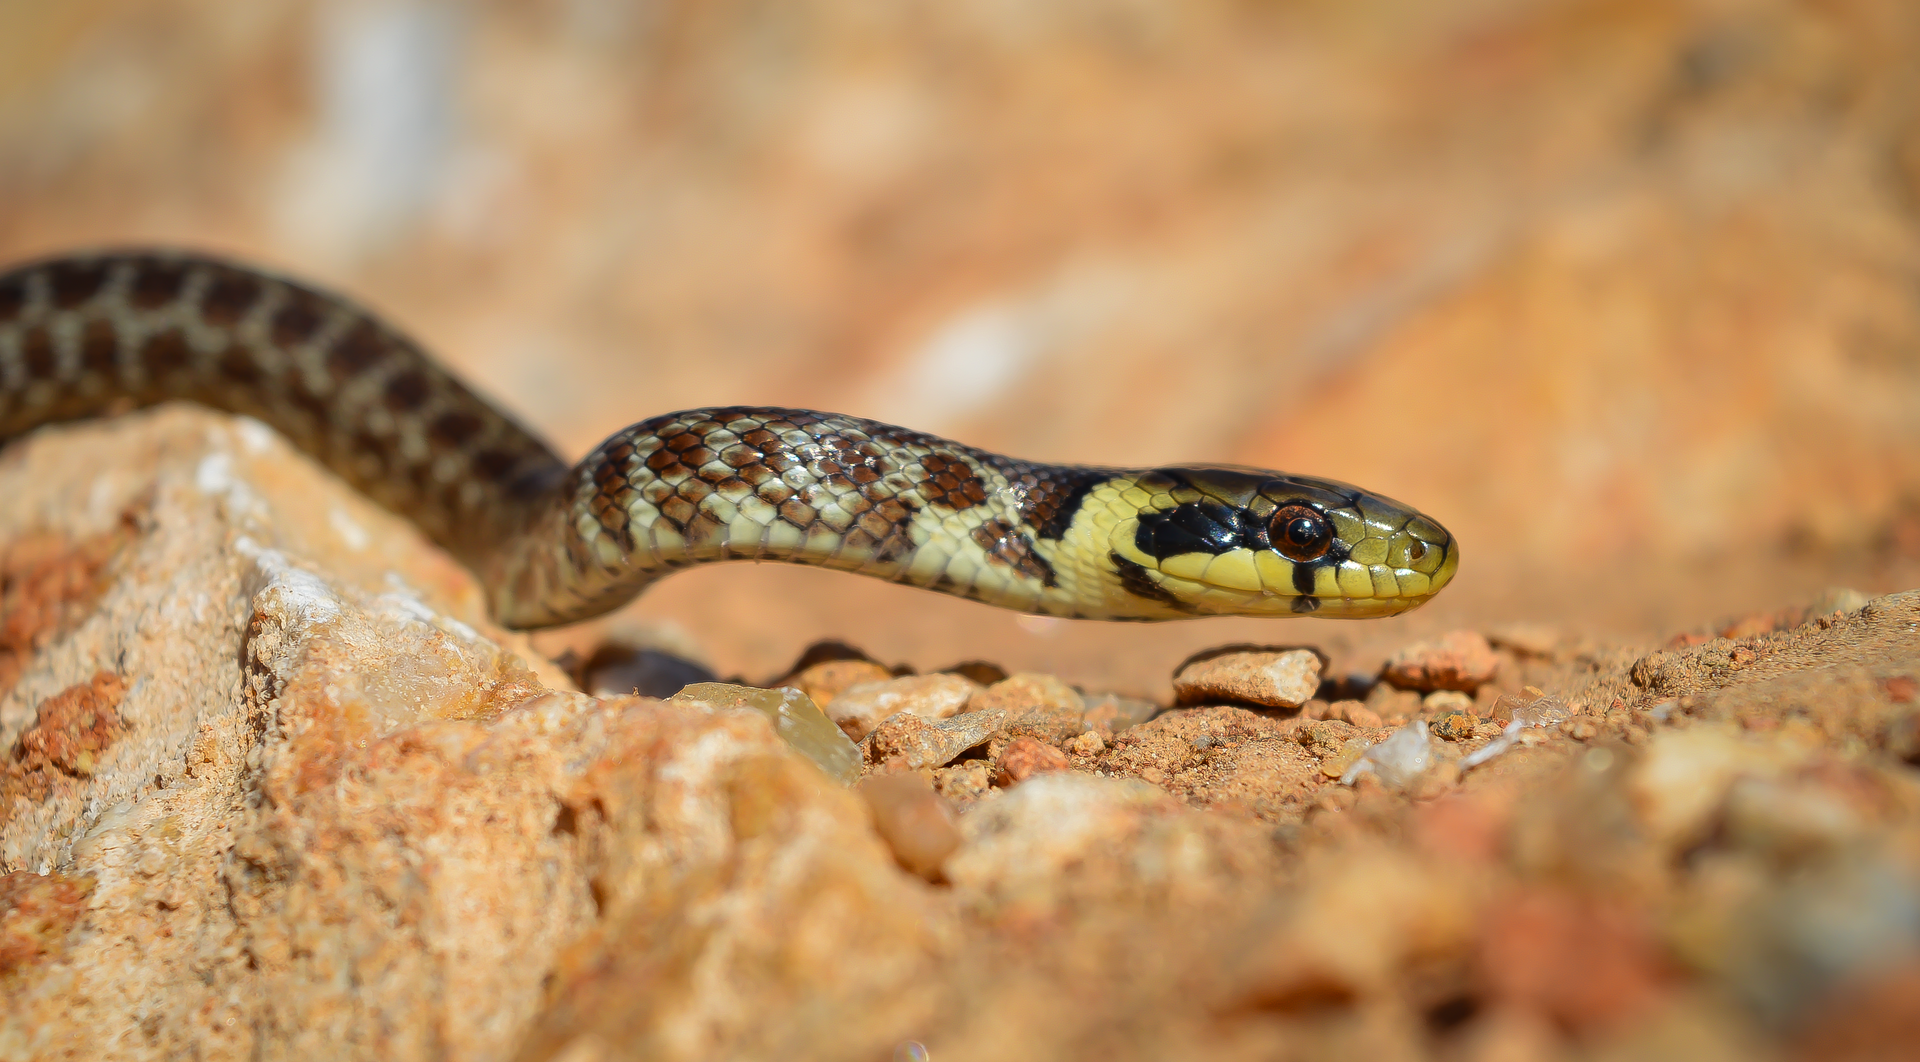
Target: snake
90	335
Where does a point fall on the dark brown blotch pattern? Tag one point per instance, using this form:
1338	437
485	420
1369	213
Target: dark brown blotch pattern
156	283
228	298
1009	547
72	283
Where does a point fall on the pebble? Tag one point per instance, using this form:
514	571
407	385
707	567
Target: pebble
907	742
1111	713
1037	705
1460	660
828	679
915	822
1527	639
860	708
798	721
1089	743
1025	757
1440	702
1272	678
1356	713
1454	725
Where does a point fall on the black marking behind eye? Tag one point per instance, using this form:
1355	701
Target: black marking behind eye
1303	580
1197	527
1135	580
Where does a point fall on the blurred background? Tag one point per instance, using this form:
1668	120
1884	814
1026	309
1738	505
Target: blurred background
1626	293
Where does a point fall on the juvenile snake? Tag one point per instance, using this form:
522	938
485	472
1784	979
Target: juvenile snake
84	335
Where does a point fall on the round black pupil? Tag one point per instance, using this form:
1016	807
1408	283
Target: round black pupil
1303	531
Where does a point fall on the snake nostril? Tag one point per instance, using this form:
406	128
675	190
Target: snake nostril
1417	551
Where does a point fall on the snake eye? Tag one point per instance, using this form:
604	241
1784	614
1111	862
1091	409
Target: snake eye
1300	534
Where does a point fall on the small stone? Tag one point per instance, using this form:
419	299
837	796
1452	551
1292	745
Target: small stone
826	680
1900	688
1087	744
1460	660
1344	757
1111	713
1025	757
906	742
860	708
1316	709
1356	713
962	782
1395	706
1285	678
795	718
1038	705
1440	702
1526	639
917	824
1455	725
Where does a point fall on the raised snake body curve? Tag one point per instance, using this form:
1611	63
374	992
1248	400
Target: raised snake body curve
83	335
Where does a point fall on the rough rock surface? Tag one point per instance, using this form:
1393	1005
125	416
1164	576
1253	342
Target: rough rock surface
1275	678
274	788
858	709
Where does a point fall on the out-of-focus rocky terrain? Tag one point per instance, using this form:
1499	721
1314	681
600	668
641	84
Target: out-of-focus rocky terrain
1626	294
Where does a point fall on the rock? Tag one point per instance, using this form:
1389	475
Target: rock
1111	713
343	810
860	708
1024	757
1038	705
1683	776
1526	639
1087	744
1356	713
915	822
1454	725
1440	702
826	680
1273	678
907	742
794	717
1460	660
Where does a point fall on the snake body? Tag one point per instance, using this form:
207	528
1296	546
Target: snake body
85	335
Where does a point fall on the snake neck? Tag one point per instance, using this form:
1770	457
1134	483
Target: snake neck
84	336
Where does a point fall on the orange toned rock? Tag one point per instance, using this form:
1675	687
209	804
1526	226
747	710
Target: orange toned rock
36	912
1025	757
917	824
826	680
1273	678
1041	706
1461	660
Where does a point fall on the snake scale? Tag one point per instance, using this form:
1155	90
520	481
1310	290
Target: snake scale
87	335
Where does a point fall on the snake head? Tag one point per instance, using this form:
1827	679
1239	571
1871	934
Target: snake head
1237	541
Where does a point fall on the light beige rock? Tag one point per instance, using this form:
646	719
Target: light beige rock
858	709
336	815
908	742
1274	678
